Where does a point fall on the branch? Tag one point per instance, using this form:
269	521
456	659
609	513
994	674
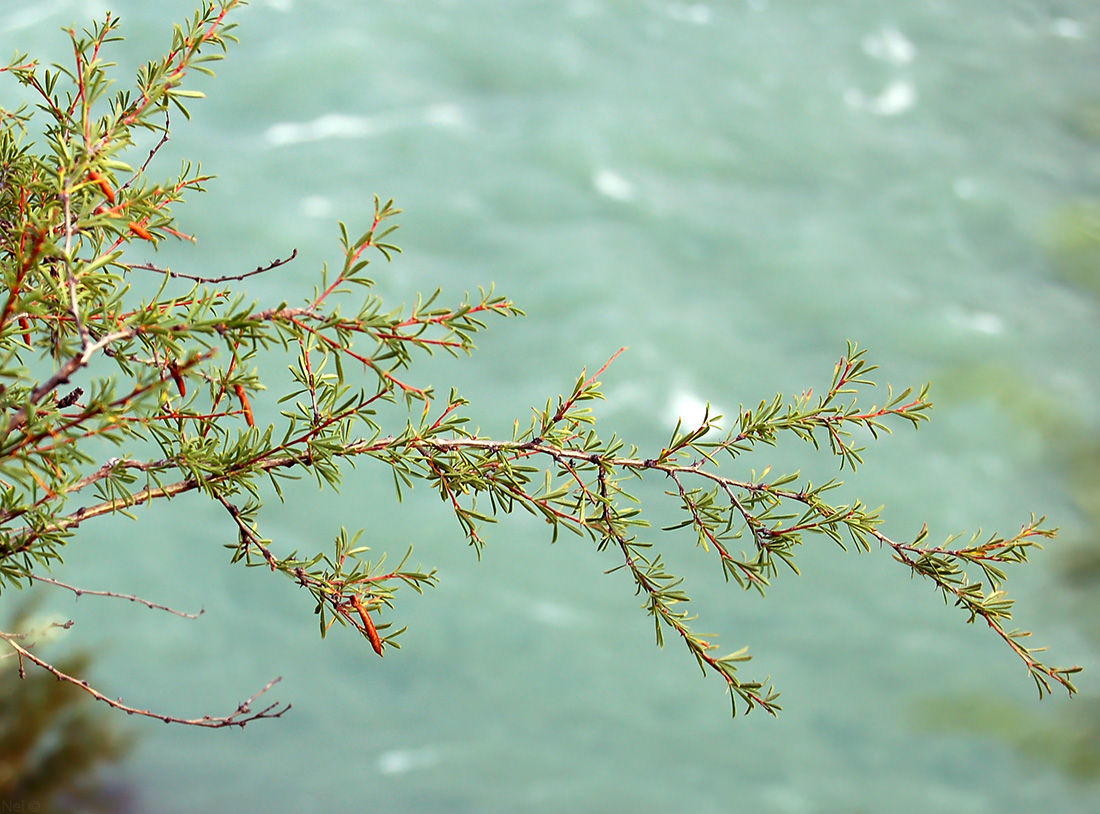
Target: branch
608	527
274	264
61	376
240	718
344	598
152	153
82	591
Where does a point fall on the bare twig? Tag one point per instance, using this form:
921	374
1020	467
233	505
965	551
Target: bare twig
243	715
249	537
118	463
152	153
62	374
138	599
274	264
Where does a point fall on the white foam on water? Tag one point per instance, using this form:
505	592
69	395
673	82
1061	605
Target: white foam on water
445	116
1067	29
689	410
315	206
694	13
329	126
979	322
989	324
553	614
612	185
899	97
400	761
889	45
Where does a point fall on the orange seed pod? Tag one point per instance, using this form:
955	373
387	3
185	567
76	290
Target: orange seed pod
140	230
368	625
104	185
243	396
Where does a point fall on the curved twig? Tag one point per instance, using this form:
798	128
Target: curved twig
82	591
243	715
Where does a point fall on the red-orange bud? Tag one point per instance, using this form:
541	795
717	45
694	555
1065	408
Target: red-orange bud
177	377
104	185
368	625
140	230
243	396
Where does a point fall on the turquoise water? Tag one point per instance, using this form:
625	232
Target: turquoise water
732	190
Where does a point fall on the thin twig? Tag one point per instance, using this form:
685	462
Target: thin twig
248	535
146	602
152	152
61	376
240	718
274	264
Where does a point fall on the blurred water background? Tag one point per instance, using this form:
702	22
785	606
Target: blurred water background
733	190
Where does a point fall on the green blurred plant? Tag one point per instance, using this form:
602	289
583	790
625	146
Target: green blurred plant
1075	238
172	381
1069	740
51	744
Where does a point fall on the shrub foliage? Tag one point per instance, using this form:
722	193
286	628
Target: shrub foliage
174	383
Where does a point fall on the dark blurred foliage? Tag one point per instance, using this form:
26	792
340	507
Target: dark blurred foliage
54	739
